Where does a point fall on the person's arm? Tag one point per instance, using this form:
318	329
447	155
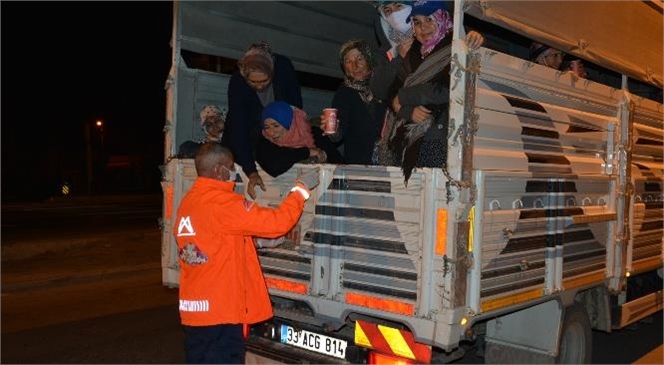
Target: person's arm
276	160
423	94
383	76
239	123
327	145
251	219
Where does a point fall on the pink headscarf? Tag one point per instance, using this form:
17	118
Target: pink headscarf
299	133
443	26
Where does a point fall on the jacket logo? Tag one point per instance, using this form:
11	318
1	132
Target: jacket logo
192	255
248	204
185	228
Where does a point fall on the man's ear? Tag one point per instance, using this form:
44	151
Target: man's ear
217	170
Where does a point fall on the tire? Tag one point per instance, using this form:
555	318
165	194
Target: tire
576	338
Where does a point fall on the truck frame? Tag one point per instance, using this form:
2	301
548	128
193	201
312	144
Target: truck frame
546	222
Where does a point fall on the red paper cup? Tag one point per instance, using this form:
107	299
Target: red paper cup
330	115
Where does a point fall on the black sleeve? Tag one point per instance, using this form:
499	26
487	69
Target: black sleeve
239	123
324	143
276	160
383	76
423	94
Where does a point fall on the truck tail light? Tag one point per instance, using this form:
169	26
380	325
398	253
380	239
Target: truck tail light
378	358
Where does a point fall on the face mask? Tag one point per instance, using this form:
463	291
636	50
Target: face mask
397	20
232	175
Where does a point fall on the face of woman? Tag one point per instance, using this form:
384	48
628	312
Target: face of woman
390	8
356	65
553	59
258	81
214	127
425	27
274	130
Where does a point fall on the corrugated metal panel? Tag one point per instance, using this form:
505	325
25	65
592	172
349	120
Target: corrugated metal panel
544	137
514	241
648	174
365	225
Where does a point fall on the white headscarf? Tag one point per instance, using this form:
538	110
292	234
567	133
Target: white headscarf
396	28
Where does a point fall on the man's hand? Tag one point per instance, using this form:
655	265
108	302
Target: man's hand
269	243
309	179
254	179
474	40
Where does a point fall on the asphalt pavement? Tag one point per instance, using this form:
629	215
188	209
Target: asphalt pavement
84	237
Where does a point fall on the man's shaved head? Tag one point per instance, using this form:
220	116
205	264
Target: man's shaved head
209	155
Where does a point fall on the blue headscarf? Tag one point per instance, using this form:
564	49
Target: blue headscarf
280	111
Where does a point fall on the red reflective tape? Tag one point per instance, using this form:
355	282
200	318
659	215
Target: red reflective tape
384	304
169	202
286	285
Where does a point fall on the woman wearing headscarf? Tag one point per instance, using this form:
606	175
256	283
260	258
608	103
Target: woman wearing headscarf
360	114
546	56
415	129
287	138
213	121
395	36
392	29
553	58
262	77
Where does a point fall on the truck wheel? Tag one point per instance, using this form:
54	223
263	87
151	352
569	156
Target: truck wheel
576	338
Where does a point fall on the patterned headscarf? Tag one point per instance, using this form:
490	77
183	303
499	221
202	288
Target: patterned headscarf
212	111
213	121
258	57
362	86
396	20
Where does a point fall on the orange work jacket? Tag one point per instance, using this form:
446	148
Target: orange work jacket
221	281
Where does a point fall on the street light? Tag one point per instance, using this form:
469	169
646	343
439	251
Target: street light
100	124
88	150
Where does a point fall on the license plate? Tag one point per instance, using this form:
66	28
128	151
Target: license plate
314	342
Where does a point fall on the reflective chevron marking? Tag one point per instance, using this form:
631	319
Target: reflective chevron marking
391	341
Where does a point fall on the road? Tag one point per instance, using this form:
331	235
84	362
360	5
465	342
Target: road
102	301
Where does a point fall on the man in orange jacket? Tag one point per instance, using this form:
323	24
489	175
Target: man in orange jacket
221	282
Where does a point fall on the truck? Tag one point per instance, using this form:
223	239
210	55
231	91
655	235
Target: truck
545	224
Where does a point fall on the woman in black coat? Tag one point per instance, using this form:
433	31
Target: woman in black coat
360	114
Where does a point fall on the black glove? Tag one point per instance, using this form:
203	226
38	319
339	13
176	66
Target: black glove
309	178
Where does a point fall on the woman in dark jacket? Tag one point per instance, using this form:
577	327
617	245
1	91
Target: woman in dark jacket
262	77
417	123
360	114
287	138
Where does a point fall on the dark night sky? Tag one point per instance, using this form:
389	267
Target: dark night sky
69	63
